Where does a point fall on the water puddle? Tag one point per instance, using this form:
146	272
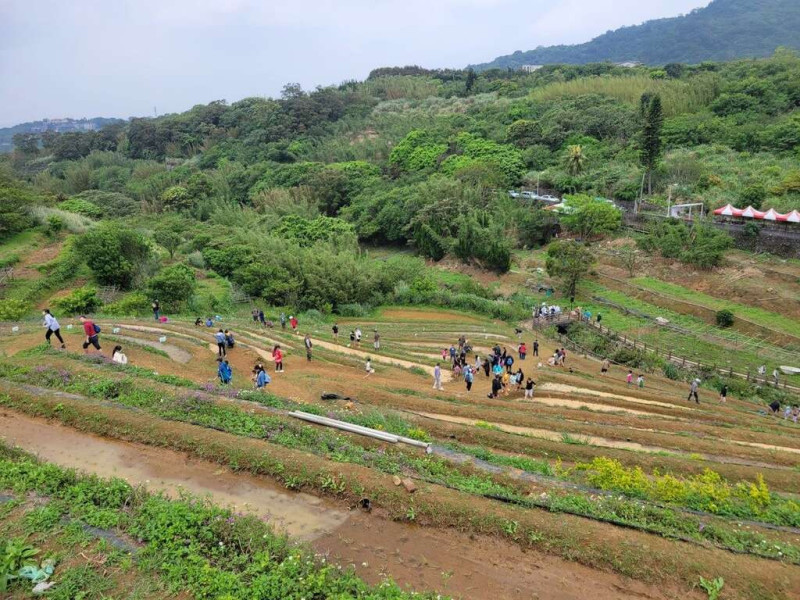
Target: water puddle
301	515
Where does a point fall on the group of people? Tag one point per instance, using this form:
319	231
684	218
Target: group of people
499	366
91	332
225	341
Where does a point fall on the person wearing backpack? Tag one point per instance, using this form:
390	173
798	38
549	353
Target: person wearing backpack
468	377
92	332
509	363
53	328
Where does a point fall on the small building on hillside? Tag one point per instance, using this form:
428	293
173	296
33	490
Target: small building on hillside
630	64
530	68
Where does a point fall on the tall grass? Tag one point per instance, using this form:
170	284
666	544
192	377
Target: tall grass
677	96
401	86
74	223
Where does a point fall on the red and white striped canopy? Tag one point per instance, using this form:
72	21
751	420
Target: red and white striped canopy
729	211
751	213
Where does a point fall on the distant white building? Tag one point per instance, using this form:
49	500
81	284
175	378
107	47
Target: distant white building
629	64
530	68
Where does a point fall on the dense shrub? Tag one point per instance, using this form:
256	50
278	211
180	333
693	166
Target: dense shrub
81	301
173	286
724	318
116	254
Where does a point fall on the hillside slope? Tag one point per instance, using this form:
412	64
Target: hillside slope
724	30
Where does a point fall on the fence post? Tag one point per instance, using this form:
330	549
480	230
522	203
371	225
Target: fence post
683	364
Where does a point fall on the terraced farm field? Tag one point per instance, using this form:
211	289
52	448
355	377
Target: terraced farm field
593	487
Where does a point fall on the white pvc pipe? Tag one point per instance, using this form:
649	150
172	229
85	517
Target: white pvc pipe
359	429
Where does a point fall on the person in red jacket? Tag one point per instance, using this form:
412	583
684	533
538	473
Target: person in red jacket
277	356
92	333
293	323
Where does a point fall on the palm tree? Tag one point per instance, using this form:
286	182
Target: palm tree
574	160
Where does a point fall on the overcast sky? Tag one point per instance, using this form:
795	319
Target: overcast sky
121	58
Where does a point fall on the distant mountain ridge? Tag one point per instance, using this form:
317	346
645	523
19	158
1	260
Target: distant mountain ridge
723	30
57	125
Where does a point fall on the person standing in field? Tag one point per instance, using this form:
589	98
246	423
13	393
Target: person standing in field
693	391
156	309
335	330
261	318
92	332
437	377
629	378
358	337
368	367
536	347
308	345
604	366
377	340
293	322
53	328
523	351
254	312
497	385
529	385
224	371
640	381
222	343
723	393
468	377
283	320
277	356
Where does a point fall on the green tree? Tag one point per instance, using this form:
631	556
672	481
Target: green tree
176	198
14	203
568	261
470	82
173	286
574	160
629	256
168	239
589	217
650	143
26	143
116	254
524	133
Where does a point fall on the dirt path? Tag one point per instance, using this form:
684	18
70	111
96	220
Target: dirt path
560	387
301	515
177	354
578	404
547	434
472	566
465	566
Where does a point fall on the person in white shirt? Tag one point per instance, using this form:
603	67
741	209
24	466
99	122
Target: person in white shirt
53	328
118	356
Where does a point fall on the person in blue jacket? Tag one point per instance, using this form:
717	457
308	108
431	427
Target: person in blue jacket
262	379
224	371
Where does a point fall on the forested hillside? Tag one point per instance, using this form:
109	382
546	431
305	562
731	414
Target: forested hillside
277	195
724	30
41	132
